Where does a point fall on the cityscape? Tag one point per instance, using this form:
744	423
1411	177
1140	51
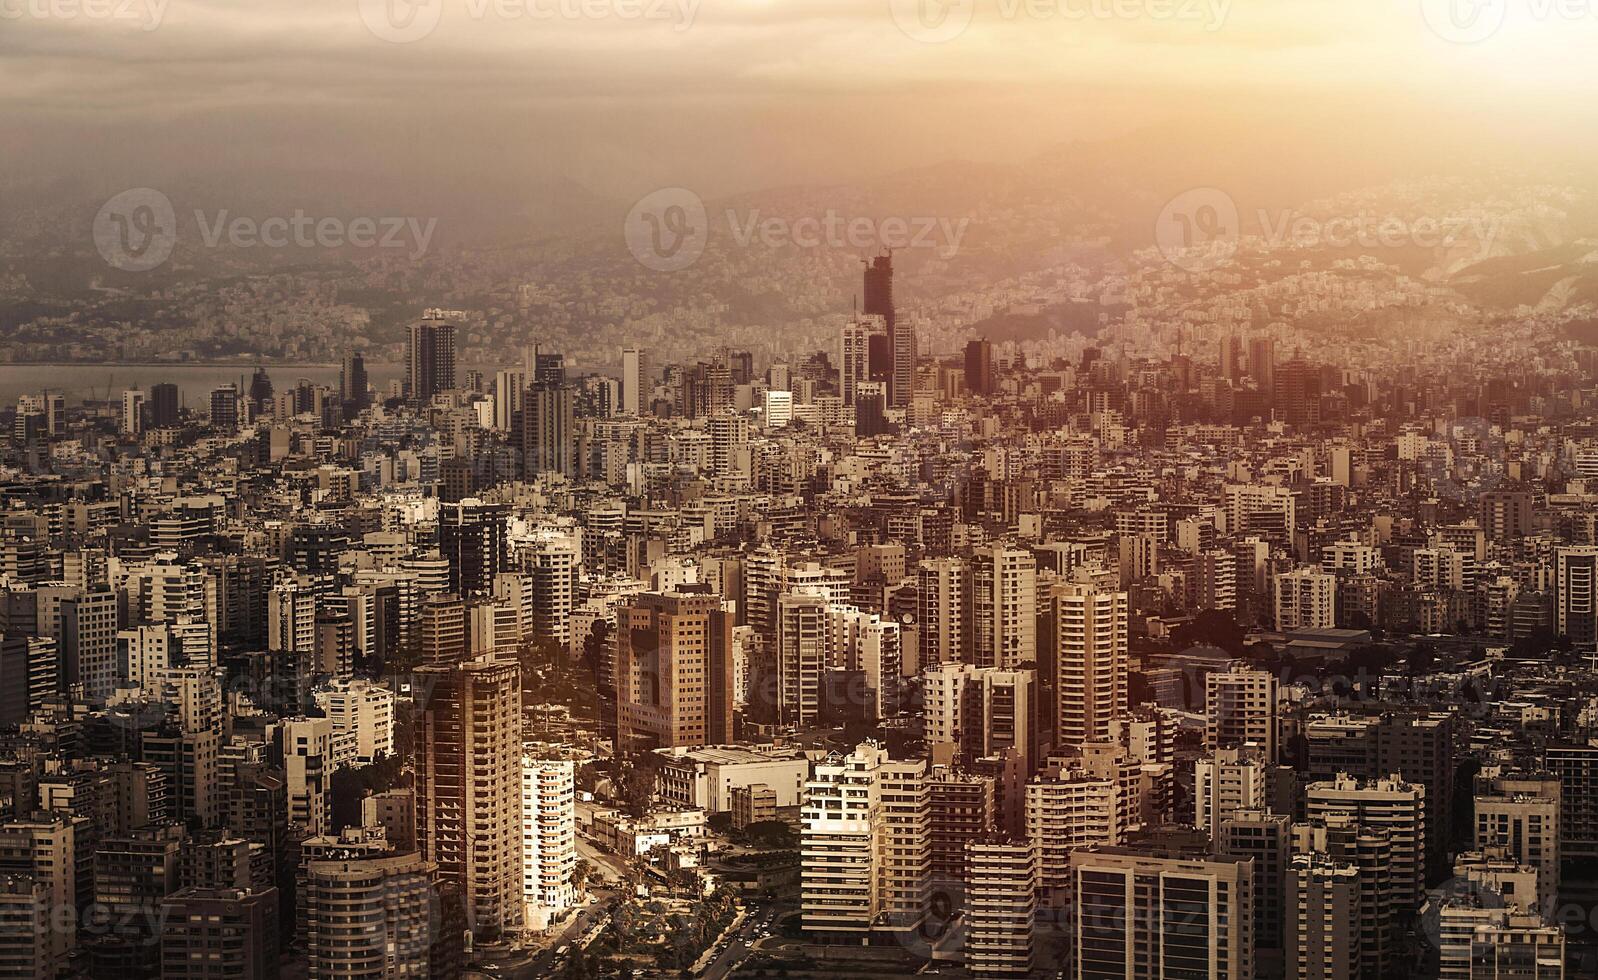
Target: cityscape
1083	533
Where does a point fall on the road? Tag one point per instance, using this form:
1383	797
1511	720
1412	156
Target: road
543	963
742	943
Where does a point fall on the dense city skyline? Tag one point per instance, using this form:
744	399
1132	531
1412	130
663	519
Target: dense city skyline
764	489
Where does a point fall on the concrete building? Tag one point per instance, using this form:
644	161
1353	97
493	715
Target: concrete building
469	787
1391	805
1161	910
674	671
1089	656
549	838
220	934
1001	907
865	859
1240	710
1323	895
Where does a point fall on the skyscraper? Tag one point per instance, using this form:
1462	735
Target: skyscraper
979	367
637	375
469	787
430	359
899	341
163	405
352	383
471	537
1090	655
674	673
548	439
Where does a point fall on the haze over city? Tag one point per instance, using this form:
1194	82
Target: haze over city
777	489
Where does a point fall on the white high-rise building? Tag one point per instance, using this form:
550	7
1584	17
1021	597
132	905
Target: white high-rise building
1306	600
133	413
865	854
637	377
1225	781
1090	649
1004	608
362	713
549	838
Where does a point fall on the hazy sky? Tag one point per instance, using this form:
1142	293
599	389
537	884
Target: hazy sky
726	95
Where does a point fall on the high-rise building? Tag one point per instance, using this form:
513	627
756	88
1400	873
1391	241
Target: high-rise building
548	438
674	671
979	367
509	388
943	607
132	413
1306	599
549	838
225	410
469	787
1519	814
1001	907
802	626
1161	910
865	859
307	751
375	918
220	934
430	359
164	405
1266	839
1576	595
1090	668
1392	805
637	380
353	385
444	630
1522	947
1224	782
1240	710
1004	608
854	355
1324	898
471	537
